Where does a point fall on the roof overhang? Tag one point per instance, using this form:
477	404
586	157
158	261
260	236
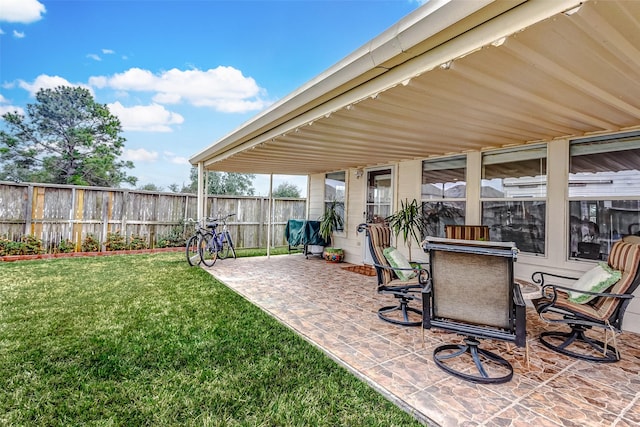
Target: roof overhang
453	77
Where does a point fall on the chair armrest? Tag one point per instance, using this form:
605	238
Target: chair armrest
426	305
521	317
423	275
555	288
518	300
539	276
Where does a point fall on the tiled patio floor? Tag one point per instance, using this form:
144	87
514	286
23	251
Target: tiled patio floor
335	309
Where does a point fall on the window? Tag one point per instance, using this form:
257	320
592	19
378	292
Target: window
443	191
379	194
513	192
334	191
604	193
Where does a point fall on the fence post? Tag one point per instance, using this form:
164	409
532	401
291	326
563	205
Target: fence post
105	213
38	212
78	216
123	223
28	210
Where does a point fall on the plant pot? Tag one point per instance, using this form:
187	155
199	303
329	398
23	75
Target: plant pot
333	254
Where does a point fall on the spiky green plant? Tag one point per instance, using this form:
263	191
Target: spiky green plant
408	221
330	221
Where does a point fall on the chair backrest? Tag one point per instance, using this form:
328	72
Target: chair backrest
472	288
379	239
624	256
467	232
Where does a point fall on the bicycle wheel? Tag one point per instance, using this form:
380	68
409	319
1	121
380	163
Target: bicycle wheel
208	250
223	248
233	248
193	255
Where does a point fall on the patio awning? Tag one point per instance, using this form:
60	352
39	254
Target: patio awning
453	77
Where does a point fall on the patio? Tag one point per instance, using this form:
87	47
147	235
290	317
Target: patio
335	309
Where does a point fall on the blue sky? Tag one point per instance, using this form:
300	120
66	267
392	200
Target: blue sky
180	74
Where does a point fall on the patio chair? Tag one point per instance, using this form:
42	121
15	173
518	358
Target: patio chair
467	232
471	291
597	300
396	277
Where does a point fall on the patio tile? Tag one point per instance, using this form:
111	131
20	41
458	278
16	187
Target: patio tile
565	409
336	310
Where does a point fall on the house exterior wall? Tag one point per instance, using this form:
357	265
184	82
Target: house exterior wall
408	178
316	196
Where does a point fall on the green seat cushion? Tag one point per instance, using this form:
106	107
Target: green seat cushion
598	279
396	259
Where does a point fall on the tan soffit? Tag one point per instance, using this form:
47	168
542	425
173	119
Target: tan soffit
565	75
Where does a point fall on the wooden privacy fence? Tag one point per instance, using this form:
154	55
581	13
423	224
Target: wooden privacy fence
57	212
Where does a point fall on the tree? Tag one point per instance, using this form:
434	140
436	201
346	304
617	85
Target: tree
65	138
286	190
237	184
150	187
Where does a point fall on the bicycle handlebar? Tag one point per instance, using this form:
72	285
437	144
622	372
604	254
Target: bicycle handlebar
222	218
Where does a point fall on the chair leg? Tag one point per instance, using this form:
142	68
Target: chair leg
404	308
597	351
491	368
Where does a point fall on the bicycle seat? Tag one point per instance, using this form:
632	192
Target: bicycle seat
212	225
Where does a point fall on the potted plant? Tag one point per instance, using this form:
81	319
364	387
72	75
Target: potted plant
408	221
330	221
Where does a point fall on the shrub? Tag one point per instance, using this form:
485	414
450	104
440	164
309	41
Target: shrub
174	239
171	240
116	242
31	245
65	246
27	245
90	243
137	242
9	247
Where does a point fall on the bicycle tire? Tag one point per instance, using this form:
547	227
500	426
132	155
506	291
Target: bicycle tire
223	250
233	248
208	249
193	254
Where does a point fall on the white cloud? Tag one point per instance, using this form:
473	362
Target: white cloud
223	88
98	82
21	11
1	32
172	157
179	160
5	107
140	155
94	57
146	118
44	81
108	51
18	34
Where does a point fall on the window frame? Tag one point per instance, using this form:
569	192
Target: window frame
443	164
528	231
605	230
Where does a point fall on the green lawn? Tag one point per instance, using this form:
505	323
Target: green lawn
133	340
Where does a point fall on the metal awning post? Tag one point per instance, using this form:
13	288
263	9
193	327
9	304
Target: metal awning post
269	220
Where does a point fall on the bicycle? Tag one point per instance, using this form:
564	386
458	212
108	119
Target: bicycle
223	240
207	246
197	245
